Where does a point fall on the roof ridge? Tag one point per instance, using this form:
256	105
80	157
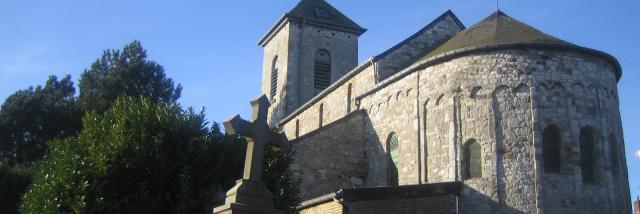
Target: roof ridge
497	28
419	32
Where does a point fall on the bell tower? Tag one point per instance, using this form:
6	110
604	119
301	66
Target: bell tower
308	49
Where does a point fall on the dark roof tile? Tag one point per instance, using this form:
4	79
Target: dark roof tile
498	28
322	12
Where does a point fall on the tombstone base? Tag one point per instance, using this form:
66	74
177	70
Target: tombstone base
248	197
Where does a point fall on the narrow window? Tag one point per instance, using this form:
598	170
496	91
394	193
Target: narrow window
274	77
426	142
349	98
615	154
587	160
320	114
297	128
551	144
394	155
322	71
472	160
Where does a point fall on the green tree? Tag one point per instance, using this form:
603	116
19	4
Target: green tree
14	179
280	179
138	157
125	72
29	118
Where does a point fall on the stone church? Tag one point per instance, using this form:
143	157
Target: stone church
497	117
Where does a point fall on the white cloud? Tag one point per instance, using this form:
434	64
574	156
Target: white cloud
638	153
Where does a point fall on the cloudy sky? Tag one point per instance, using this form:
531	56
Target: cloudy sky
210	46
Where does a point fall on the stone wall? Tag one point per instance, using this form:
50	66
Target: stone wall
498	98
443	204
277	46
331	207
336	104
408	199
332	157
296	44
503	99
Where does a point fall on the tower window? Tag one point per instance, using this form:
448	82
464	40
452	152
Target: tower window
587	160
472	160
394	156
274	77
322	71
551	144
322	13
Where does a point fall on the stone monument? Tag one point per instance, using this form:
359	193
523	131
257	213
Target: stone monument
250	195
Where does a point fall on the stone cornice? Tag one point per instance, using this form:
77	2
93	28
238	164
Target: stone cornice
474	49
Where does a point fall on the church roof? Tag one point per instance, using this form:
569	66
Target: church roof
322	12
498	28
315	12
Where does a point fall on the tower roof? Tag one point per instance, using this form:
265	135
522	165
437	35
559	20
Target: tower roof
316	12
498	28
322	12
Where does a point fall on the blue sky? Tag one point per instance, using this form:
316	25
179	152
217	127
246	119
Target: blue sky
210	46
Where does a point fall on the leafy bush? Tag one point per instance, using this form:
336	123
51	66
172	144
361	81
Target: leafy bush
14	179
138	157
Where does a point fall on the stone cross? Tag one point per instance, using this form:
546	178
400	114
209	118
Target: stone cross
258	136
250	195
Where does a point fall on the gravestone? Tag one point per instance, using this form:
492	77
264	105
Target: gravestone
250	195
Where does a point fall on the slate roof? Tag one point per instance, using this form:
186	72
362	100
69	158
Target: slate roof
322	12
498	28
315	12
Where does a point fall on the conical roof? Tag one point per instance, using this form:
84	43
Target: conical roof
498	28
322	12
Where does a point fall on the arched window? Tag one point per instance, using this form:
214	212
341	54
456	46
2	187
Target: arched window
614	152
551	144
587	160
274	77
394	156
322	71
472	160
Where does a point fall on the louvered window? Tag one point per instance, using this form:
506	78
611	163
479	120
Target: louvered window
274	78
322	71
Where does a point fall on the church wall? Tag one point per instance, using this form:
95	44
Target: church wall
296	44
393	110
278	46
308	39
586	97
511	77
335	105
339	160
496	99
503	100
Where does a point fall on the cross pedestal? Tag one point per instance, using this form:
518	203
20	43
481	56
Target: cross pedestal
250	195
